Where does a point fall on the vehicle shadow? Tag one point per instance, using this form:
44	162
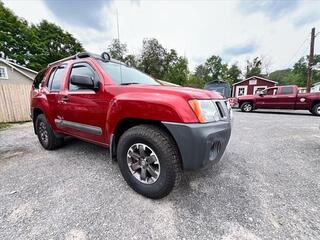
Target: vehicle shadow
288	112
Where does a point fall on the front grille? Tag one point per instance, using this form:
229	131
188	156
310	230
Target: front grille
222	108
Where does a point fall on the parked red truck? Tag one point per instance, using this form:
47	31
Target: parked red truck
153	131
281	97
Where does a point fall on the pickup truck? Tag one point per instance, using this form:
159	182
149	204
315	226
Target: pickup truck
155	132
281	97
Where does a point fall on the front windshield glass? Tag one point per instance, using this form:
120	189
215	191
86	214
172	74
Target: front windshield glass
125	74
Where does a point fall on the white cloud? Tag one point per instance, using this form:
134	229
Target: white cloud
196	29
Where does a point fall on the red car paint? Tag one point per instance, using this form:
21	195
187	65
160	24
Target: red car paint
113	103
282	97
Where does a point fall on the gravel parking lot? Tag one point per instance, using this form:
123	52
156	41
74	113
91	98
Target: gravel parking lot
267	186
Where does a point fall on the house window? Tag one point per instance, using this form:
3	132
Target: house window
241	90
258	89
3	73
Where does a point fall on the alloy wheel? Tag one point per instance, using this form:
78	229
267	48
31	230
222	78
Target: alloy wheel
143	163
247	107
43	133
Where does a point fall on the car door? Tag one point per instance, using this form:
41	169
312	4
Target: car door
51	90
286	98
268	98
83	111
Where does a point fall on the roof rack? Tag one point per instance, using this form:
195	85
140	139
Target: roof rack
78	55
88	54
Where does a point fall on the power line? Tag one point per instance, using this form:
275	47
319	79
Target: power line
295	54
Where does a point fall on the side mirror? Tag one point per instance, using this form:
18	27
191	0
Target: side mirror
83	81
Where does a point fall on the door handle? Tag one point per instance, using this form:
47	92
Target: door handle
64	99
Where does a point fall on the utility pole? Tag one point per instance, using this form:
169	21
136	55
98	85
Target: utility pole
311	59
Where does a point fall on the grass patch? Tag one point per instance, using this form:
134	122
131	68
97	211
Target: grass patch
4	125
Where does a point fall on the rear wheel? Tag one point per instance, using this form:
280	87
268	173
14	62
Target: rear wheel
149	161
316	109
46	136
246	107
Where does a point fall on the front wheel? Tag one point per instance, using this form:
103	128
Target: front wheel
149	161
316	109
246	107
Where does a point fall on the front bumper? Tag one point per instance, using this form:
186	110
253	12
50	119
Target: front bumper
200	144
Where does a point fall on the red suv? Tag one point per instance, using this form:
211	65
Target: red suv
153	131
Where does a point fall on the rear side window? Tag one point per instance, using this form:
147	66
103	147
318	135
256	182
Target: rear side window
38	79
286	90
56	78
272	91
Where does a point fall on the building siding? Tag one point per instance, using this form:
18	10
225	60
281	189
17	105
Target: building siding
14	77
250	88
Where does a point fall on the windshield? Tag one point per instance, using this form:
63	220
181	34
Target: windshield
127	75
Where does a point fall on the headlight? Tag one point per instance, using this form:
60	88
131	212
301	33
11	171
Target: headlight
205	110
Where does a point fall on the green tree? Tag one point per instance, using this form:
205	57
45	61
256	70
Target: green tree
232	74
280	76
131	60
34	46
177	71
117	50
54	44
200	72
194	81
254	67
298	74
15	36
153	58
214	68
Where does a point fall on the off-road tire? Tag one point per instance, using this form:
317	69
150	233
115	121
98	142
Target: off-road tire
246	107
315	110
165	149
53	141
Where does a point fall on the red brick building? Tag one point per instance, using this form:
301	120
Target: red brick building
251	85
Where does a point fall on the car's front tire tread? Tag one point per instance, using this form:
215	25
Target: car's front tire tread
314	110
169	162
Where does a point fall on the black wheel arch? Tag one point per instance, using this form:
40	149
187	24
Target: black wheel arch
128	123
314	103
35	112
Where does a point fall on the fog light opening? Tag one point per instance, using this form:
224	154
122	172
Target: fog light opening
214	150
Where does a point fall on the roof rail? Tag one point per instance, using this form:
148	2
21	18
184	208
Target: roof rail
78	55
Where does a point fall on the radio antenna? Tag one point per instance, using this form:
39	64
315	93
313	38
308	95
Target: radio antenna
119	46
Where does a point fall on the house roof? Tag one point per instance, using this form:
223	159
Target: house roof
317	83
264	79
17	68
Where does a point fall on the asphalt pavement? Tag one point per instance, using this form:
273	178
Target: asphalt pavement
267	186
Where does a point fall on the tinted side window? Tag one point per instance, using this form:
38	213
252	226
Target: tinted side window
57	78
38	79
272	91
80	69
49	83
286	90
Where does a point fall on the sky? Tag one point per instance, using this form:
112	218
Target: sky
277	31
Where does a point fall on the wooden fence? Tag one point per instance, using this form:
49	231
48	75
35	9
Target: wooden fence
14	102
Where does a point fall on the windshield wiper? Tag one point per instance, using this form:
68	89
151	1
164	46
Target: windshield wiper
129	83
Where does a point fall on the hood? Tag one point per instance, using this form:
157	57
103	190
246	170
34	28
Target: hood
185	92
246	97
